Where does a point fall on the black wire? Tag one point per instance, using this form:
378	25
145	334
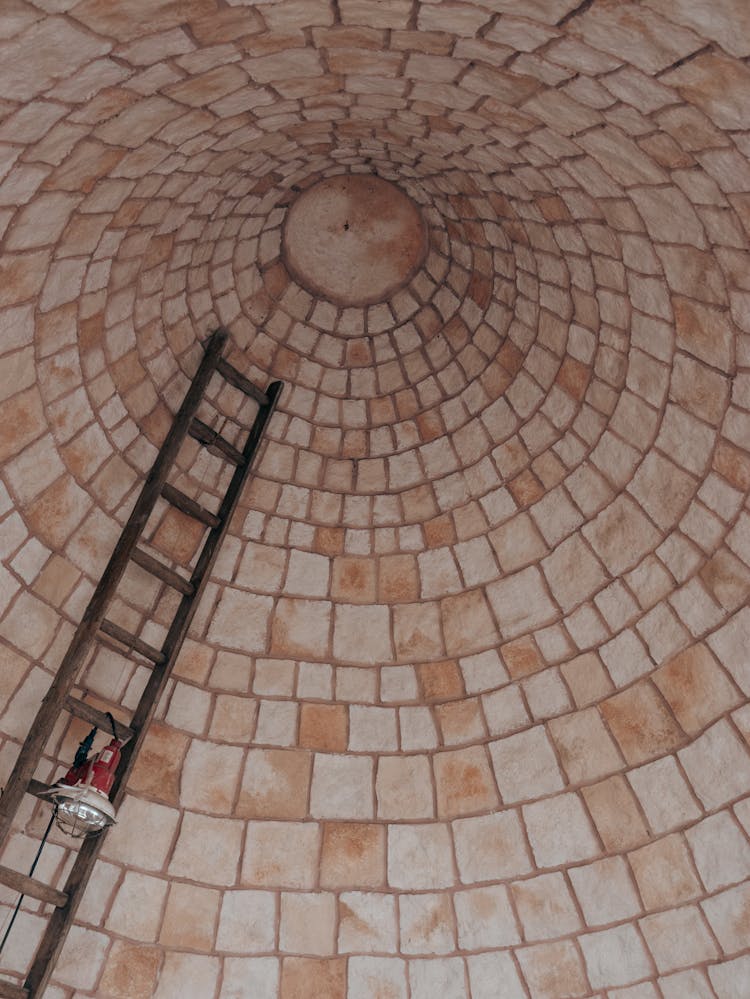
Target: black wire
112	723
31	871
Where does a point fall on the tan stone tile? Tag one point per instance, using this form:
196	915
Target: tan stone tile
641	723
615	956
300	628
275	784
130	970
440	681
233	718
520	602
198	932
464	782
353	855
324	726
309	978
525	765
696	688
460	721
398	581
467	623
157	769
522	657
354	580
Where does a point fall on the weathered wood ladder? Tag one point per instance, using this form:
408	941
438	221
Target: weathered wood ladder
94	625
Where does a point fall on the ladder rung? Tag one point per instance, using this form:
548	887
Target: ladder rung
136	644
92	715
183	502
201	431
39	789
9	990
163	572
236	378
25	885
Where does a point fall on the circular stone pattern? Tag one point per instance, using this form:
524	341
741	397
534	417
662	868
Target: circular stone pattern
354	239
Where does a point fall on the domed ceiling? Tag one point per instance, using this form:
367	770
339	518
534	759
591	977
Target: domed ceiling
463	712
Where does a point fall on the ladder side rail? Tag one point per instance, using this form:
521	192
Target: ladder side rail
61	919
65	677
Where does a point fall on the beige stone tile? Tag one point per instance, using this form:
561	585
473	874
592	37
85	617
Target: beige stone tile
404	788
362	634
210	776
615	956
257	974
664	795
426	924
490	847
307	923
342	787
678	938
559	830
720	851
137	908
207	849
586	750
248	922
371	976
664	873
717	765
419	857
605	891
553	970
443	975
525	765
201	971
367	923
545	907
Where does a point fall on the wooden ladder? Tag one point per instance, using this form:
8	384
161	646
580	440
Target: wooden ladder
94	627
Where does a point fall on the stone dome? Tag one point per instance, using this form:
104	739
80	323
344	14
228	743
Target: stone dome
463	712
